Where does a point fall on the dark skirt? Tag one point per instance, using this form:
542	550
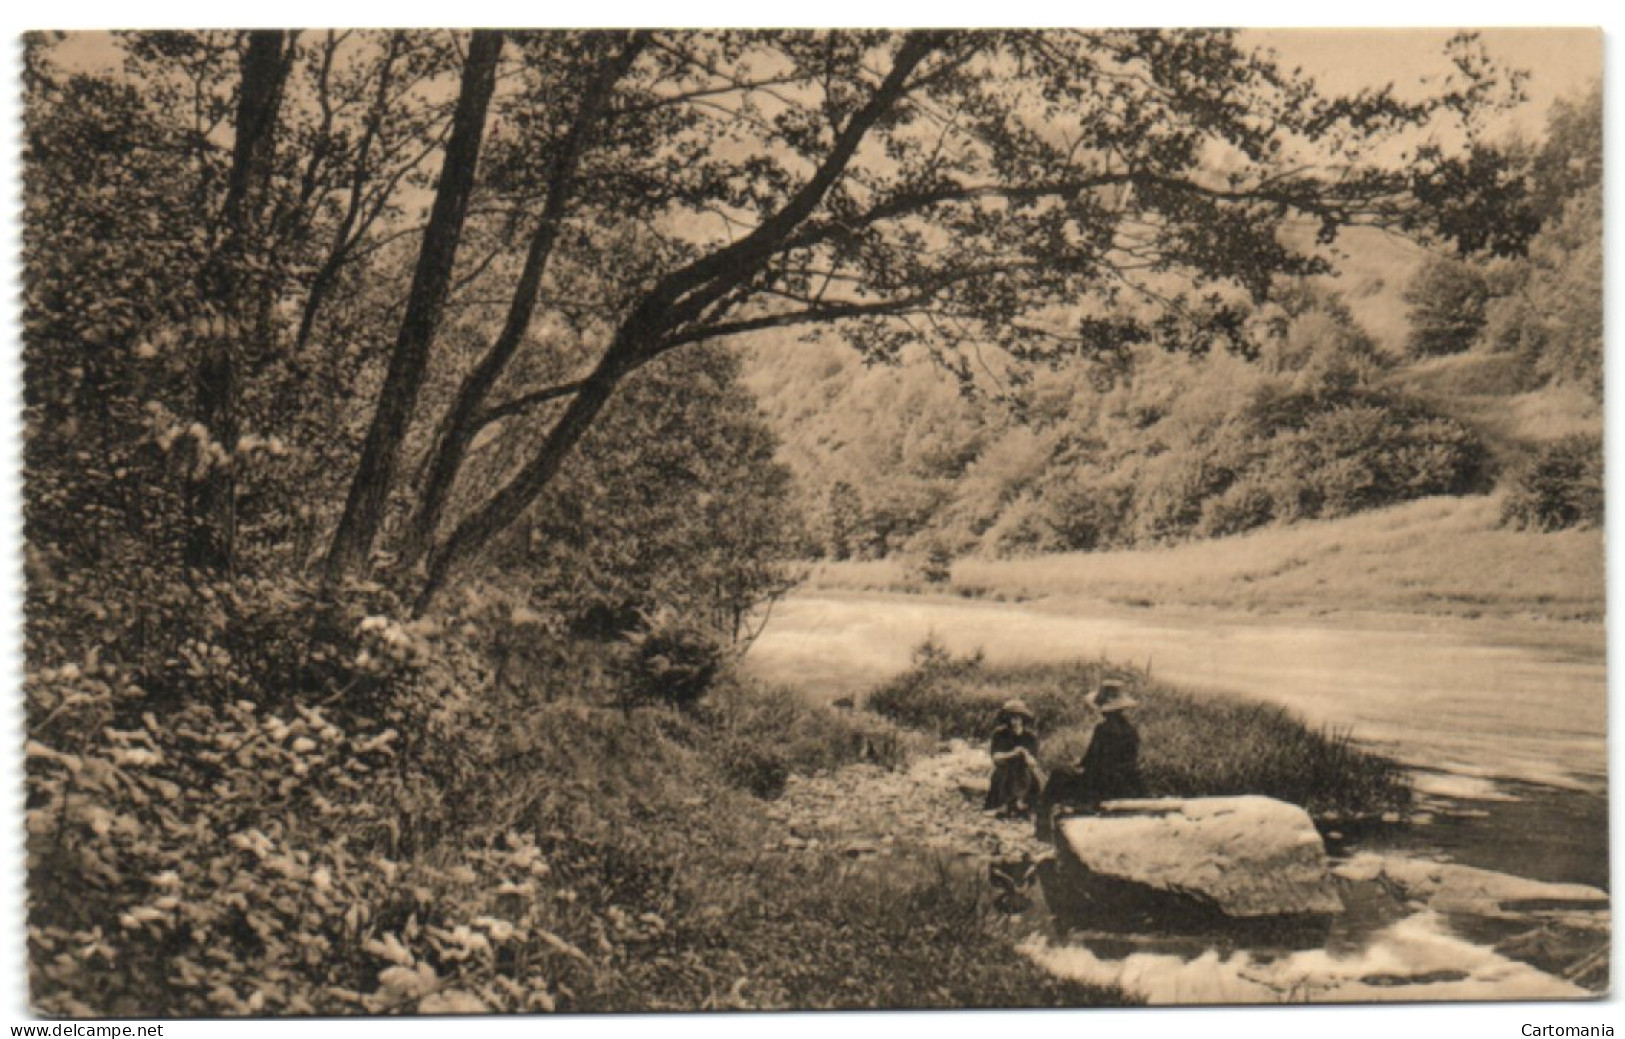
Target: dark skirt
1014	787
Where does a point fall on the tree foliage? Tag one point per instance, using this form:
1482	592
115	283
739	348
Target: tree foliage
1319	425
1446	298
1544	306
1560	487
1016	196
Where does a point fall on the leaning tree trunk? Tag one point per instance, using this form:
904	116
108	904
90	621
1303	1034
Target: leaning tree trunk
511	502
462	422
431	283
211	497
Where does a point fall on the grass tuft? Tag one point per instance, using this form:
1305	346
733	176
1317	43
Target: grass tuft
1192	745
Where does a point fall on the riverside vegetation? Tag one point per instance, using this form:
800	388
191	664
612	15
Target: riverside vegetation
1411	375
274	857
1192	745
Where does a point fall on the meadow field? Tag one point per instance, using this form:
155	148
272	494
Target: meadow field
1438	556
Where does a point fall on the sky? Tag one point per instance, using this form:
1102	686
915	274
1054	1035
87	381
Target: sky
1560	62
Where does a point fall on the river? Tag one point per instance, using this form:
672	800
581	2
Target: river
1502	721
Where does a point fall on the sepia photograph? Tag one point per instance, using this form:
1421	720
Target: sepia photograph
685	520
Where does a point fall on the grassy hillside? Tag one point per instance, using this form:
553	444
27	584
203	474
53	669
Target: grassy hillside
1435	556
1488	393
1371	277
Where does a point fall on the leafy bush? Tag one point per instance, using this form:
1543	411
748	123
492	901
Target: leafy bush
224	856
675	661
935	566
1446	299
1561	487
803	737
224	853
755	767
1368	452
1244	505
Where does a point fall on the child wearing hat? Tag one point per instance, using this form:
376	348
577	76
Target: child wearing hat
1017	780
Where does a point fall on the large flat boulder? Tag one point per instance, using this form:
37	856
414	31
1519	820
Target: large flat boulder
1192	865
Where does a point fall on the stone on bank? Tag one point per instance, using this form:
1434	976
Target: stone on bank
1191	866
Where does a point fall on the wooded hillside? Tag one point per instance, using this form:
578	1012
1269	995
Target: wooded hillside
1404	373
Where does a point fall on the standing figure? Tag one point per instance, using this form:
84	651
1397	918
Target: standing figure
1109	769
1016	781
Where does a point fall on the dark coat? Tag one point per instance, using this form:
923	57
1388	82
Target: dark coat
1111	765
1109	769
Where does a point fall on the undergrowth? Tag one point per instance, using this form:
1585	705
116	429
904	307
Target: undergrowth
312	808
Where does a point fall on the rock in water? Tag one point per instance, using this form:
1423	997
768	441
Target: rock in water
1192	866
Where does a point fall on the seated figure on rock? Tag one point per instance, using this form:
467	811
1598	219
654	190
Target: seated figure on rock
1109	769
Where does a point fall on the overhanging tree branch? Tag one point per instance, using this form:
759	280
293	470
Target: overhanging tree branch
661	310
524	403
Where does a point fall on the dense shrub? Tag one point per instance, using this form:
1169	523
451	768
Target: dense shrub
1086	511
236	850
389	842
1551	311
1561	487
675	660
1446	299
1369	452
1285	454
1244	505
805	738
1246	449
1172	447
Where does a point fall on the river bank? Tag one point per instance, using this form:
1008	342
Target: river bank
1390	945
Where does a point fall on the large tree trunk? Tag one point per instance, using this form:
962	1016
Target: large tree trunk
369	490
211	497
460	425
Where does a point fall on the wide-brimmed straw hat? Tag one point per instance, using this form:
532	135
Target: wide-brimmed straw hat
1017	707
1113	696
